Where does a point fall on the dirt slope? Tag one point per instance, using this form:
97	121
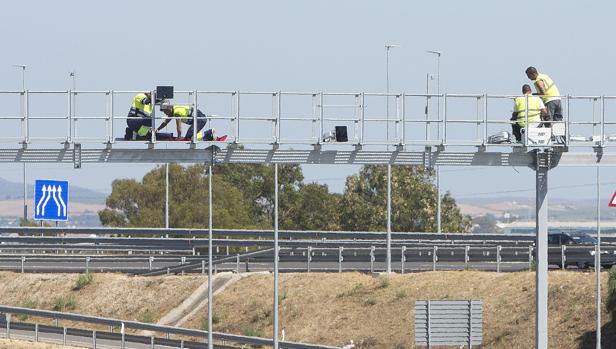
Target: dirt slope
375	312
378	312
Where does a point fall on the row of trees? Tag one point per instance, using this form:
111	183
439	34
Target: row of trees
243	196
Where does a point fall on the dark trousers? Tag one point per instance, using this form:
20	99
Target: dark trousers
201	121
135	123
517	131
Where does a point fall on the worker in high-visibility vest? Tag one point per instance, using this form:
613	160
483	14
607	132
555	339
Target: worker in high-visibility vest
549	93
536	110
183	114
139	120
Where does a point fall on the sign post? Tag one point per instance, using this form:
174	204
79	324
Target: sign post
51	200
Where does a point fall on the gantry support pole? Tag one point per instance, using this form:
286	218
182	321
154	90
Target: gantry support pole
542	168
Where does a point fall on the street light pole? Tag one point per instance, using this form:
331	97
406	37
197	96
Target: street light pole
438	113
387	48
388	242
23	88
73	76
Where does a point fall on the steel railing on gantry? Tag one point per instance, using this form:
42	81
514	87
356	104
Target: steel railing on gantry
300	118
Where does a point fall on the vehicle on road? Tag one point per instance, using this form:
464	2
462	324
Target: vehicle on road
579	250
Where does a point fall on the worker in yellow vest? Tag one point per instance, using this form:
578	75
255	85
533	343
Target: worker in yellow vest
549	93
536	110
139	120
183	114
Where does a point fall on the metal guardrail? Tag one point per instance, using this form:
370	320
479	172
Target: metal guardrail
315	258
283	234
293	234
155	328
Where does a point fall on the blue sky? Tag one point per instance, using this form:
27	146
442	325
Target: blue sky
333	46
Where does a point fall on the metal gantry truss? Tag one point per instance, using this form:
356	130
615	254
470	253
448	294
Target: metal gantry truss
288	127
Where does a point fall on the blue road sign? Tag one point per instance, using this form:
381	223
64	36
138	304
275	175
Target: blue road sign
51	200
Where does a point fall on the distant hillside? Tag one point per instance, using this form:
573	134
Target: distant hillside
11	190
524	208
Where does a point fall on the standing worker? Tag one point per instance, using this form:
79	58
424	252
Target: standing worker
549	93
184	114
139	118
536	110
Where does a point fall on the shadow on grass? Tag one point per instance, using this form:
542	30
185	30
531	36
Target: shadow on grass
608	337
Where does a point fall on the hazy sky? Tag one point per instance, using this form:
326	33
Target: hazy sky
313	46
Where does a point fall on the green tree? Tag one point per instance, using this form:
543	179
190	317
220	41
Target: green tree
142	204
364	202
314	208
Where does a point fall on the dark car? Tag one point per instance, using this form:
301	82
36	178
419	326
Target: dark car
579	250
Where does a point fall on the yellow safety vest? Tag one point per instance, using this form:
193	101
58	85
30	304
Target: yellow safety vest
534	109
184	112
551	91
139	109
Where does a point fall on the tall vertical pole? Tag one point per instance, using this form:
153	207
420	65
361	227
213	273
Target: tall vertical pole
598	257
23	106
438	200
73	76
388	218
275	334
167	195
438	113
210	338
438	170
387	48
541	333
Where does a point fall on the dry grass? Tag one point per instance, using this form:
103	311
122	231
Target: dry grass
336	308
107	295
13	344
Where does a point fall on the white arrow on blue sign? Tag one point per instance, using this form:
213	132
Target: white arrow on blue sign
51	200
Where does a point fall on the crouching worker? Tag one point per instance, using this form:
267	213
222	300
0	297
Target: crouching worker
536	111
139	120
184	114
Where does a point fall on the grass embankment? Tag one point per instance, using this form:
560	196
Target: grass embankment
118	296
379	312
374	312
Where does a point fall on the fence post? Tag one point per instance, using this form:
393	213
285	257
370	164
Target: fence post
23	262
182	262
94	339
498	258
36	333
87	264
152	342
309	258
530	257
8	326
182	344
402	258
151	261
434	258
237	264
466	258
202	266
340	258
563	259
372	248
64	335
122	333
